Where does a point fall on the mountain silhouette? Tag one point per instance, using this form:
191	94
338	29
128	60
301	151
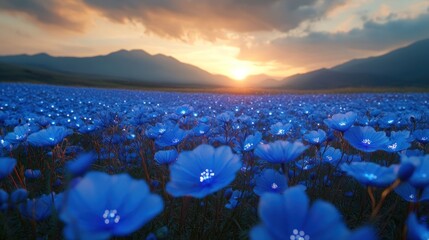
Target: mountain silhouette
403	67
135	65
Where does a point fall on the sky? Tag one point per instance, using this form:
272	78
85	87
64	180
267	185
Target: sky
235	38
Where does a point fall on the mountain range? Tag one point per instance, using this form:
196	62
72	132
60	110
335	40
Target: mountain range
403	67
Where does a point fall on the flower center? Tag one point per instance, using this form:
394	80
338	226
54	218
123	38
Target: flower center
342	124
175	140
111	216
393	146
274	186
316	140
247	146
281	132
370	176
366	141
206	175
299	235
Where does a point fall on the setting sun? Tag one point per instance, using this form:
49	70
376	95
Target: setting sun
239	73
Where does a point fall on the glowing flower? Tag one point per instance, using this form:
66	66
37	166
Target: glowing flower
370	174
270	180
421	135
252	141
48	137
100	206
315	137
171	137
289	216
398	141
411	194
19	134
331	155
341	122
201	129
366	139
184	110
280	129
203	171
280	151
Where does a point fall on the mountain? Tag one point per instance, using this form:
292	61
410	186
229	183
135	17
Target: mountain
261	81
403	67
134	65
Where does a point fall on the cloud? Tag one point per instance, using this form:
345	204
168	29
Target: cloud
210	19
67	14
324	49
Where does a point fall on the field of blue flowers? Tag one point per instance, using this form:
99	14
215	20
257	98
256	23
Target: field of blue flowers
81	163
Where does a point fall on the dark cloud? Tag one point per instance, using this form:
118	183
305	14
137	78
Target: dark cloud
66	14
323	49
211	19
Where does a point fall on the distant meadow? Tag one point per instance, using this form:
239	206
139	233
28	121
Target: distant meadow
82	163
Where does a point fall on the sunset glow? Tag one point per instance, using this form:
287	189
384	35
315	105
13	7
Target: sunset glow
239	73
274	38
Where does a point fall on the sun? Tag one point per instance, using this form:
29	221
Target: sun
239	73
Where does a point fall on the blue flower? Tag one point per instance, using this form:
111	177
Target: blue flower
49	137
252	141
280	151
80	164
341	122
370	174
40	208
270	180
201	129
416	230
7	165
289	216
18	196
331	156
315	137
422	135
19	134
101	206
280	129
156	131
307	163
420	177
184	110
203	171
166	157
233	201
411	194
171	137
398	141
32	174
366	139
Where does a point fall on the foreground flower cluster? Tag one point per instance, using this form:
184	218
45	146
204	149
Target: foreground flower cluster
98	164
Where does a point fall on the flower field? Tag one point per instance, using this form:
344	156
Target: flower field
82	163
